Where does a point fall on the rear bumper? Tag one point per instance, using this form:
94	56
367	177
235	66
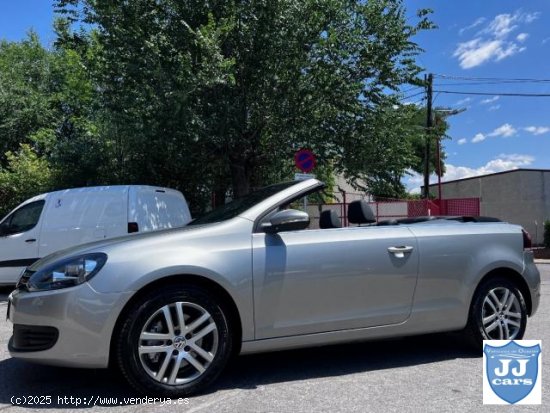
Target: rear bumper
532	276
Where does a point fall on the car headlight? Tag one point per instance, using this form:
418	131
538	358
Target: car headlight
67	273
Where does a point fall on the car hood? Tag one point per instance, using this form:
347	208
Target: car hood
99	246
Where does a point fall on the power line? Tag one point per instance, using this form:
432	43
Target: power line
476	83
492	79
412	96
453	92
411	89
416	102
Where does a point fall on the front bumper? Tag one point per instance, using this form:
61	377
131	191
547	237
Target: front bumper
83	318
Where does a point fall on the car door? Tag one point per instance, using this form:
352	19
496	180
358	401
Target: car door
313	281
19	239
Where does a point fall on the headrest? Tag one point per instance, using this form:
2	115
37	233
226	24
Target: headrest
359	212
329	219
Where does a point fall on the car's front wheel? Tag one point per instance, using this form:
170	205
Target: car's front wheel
173	342
498	312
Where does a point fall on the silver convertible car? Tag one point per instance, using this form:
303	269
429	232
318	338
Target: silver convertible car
169	309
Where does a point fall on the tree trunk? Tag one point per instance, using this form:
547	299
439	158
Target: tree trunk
240	178
219	196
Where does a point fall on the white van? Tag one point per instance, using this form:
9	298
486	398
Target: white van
50	222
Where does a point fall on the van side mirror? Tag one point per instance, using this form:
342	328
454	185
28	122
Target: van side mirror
287	220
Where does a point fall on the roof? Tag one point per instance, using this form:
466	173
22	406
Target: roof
493	174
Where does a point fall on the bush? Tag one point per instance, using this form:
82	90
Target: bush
26	175
547	233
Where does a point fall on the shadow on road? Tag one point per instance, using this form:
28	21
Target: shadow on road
248	372
18	378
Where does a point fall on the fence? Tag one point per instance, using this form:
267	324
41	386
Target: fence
387	209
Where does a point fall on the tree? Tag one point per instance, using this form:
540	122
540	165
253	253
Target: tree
25	175
48	118
217	94
25	98
419	139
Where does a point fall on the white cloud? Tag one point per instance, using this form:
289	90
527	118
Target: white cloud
493	108
531	17
463	101
492	43
462	141
490	100
510	50
505	131
479	21
480	137
502	25
475	52
503	162
537	130
522	37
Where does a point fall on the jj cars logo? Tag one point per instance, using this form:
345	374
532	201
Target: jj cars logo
511	372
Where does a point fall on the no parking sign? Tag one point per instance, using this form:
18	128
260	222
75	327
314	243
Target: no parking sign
304	160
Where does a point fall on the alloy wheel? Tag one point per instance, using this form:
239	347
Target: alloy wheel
501	314
178	343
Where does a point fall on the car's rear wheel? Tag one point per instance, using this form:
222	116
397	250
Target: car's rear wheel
498	312
174	341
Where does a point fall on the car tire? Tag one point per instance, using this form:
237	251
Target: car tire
160	355
498	312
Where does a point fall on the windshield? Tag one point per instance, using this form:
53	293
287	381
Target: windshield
238	206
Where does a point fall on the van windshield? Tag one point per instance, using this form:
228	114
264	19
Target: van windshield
238	206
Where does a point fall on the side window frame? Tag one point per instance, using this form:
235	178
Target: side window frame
9	218
257	229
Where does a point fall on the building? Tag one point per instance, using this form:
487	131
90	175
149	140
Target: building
520	196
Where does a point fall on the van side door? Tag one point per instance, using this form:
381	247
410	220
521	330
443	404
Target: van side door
82	215
19	240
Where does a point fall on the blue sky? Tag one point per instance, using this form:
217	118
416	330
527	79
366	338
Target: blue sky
497	39
18	16
475	38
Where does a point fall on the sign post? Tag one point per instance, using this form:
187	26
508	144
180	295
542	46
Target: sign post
305	161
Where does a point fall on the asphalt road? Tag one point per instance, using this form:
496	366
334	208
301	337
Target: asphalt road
431	373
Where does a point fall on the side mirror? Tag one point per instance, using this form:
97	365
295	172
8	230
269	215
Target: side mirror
287	220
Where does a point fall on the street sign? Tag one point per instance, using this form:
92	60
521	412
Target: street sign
304	160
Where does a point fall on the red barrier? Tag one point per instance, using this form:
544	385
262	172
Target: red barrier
385	209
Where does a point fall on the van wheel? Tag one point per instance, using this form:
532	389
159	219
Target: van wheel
174	342
498	312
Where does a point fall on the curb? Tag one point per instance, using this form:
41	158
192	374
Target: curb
541	261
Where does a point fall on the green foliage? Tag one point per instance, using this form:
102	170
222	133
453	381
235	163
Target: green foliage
419	136
25	175
220	95
214	97
48	110
25	92
547	233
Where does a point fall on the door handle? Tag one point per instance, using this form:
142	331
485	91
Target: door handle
30	240
400	251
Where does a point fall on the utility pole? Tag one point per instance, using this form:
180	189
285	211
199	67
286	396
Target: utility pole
429	126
